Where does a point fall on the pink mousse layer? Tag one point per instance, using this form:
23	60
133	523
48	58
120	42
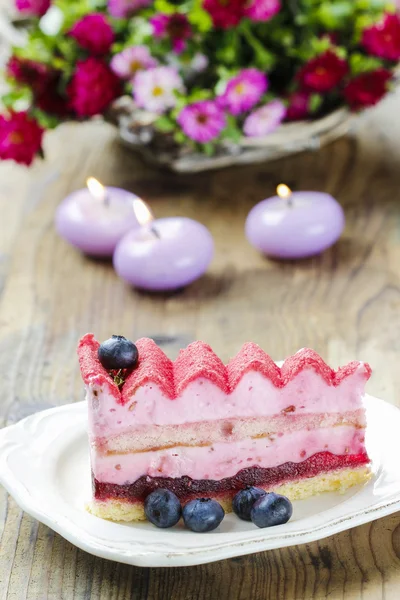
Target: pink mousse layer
254	396
223	460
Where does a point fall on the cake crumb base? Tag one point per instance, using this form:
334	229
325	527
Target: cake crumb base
335	481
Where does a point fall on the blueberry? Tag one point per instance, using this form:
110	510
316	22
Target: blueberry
162	508
118	353
244	500
203	514
271	509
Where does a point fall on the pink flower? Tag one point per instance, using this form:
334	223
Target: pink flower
225	13
368	88
299	106
202	121
20	137
244	91
93	87
36	8
323	73
131	60
264	120
125	8
155	89
383	39
94	33
176	27
262	10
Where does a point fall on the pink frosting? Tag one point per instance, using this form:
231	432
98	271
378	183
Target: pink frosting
226	459
254	396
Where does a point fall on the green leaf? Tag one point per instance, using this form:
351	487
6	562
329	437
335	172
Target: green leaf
315	103
264	58
44	119
18	98
179	137
334	15
163	6
164	124
359	63
200	18
208	148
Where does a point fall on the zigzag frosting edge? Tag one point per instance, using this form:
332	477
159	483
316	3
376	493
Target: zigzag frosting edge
198	360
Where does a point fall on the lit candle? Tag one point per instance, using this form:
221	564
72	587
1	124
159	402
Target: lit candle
95	218
295	224
164	254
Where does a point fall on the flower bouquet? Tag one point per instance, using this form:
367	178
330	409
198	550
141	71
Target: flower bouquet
197	84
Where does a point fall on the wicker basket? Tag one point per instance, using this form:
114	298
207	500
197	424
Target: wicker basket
137	132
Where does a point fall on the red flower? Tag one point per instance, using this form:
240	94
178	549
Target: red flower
94	33
368	88
299	106
93	87
323	73
53	103
29	72
42	80
225	13
383	39
175	26
20	137
33	7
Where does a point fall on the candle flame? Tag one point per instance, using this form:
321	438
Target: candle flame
283	191
142	212
96	189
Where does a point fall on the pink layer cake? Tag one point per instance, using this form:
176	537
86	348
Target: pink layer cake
200	428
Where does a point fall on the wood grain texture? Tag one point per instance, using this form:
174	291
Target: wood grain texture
345	304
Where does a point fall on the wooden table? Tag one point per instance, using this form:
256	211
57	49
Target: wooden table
345	304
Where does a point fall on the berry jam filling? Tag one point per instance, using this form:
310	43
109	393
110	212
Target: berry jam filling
186	488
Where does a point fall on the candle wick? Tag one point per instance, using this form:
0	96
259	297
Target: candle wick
106	199
290	201
155	232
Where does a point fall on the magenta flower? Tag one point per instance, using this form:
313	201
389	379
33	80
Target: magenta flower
131	60
262	10
244	91
33	7
265	120
176	27
20	137
383	39
155	89
299	106
202	121
92	88
94	33
125	8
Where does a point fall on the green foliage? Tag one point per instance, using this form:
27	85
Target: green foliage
165	124
360	63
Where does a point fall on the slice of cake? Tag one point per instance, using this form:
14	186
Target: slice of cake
203	429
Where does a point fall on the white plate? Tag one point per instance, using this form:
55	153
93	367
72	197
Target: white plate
44	464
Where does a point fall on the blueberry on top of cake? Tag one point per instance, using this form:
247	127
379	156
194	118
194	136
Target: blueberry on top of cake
201	428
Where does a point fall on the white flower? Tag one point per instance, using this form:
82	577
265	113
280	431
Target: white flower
154	90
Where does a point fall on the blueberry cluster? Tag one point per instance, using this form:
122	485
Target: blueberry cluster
163	509
265	509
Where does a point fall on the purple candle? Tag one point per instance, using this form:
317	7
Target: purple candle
295	225
94	219
165	254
